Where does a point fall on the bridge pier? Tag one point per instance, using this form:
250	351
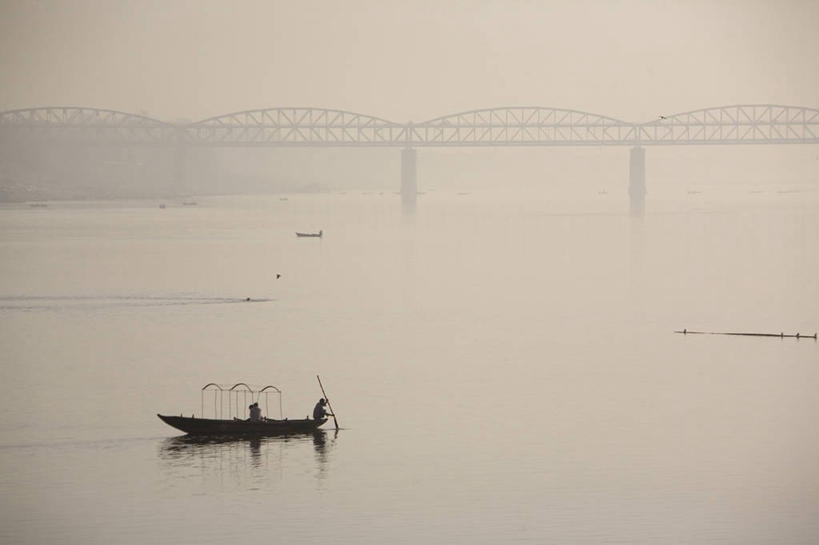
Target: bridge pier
637	181
180	170
409	179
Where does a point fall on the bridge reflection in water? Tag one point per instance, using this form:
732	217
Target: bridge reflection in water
756	124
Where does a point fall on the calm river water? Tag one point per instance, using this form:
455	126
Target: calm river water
504	369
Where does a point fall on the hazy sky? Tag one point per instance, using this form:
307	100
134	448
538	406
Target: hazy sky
407	60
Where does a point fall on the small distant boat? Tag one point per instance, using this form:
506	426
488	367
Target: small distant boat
317	235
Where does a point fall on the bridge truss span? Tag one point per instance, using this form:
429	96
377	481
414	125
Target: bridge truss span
739	124
87	125
295	127
505	126
521	126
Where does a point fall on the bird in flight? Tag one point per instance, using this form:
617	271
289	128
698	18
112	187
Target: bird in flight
278	276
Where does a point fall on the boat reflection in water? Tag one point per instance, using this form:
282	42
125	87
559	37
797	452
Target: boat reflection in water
190	455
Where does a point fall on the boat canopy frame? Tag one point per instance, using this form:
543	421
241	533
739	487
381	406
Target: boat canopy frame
225	395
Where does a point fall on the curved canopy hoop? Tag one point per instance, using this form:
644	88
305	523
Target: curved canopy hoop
248	388
266	390
217	398
235	389
206	386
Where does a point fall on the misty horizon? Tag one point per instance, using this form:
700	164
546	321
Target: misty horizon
398	60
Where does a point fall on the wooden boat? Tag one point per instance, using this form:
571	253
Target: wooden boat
317	235
226	421
238	427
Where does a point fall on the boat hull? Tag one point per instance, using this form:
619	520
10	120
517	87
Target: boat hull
236	427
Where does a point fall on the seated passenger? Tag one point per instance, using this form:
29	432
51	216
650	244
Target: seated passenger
255	413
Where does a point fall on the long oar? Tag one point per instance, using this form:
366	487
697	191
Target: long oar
328	401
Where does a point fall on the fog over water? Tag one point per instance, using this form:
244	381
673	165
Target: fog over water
501	356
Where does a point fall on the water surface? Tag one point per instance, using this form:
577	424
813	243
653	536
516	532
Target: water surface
503	368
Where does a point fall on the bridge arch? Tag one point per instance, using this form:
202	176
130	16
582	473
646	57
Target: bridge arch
96	126
292	116
735	124
76	116
295	126
522	125
524	115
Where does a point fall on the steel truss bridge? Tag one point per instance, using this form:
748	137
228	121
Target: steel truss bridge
506	126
